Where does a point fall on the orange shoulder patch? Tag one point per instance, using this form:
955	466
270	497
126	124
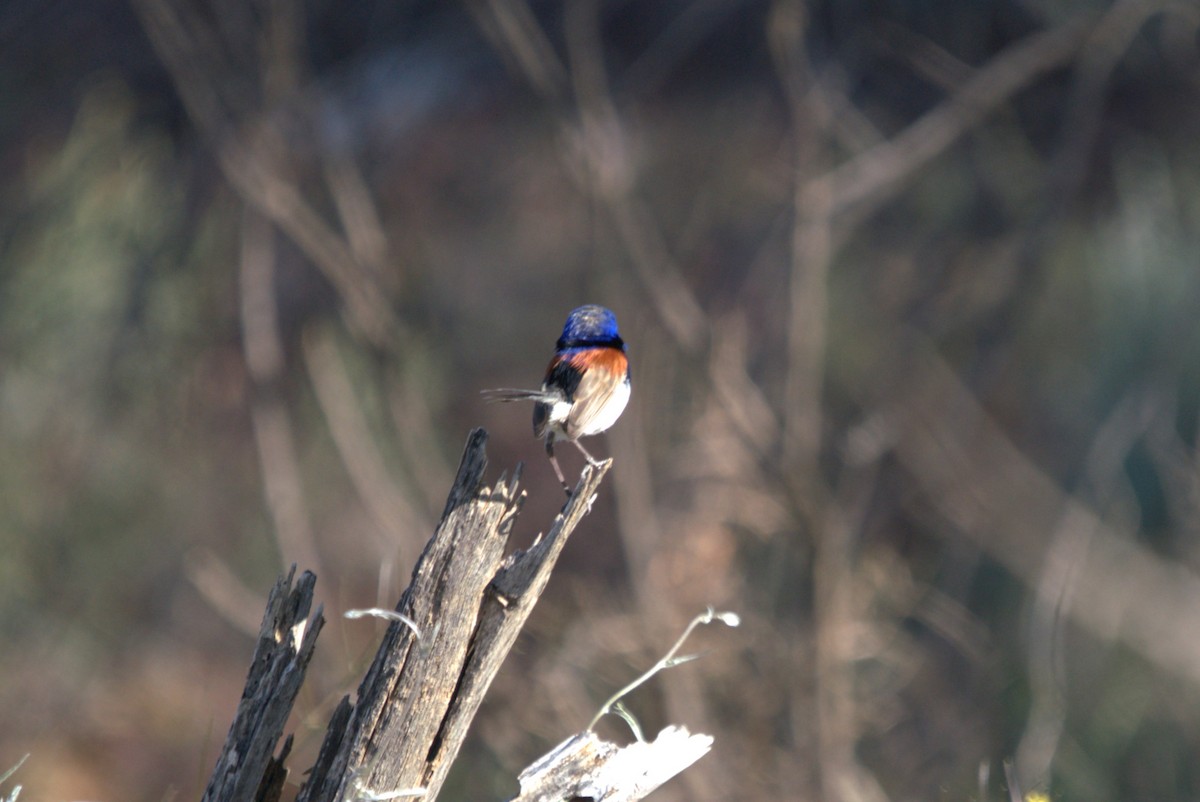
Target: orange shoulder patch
609	360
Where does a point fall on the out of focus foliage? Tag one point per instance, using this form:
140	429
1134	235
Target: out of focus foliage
911	292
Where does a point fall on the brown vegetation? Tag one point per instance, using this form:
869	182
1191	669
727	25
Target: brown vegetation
910	292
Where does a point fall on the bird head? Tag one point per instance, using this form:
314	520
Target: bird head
590	325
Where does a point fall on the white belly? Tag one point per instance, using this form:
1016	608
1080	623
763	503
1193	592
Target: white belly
609	413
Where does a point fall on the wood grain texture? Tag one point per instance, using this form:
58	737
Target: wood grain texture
246	768
417	700
466	603
586	767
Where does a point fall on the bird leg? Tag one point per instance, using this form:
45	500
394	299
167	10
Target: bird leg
554	463
595	463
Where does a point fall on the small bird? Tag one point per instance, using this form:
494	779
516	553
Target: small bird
586	386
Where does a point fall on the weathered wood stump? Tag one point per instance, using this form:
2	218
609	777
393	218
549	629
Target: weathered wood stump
456	622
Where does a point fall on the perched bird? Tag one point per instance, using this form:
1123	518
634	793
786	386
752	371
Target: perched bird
586	386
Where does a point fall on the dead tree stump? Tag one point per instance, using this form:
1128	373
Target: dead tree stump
457	620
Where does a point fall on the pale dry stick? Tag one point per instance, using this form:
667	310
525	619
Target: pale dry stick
855	131
874	177
386	615
265	185
357	211
970	472
191	50
513	29
749	414
248	150
394	517
16	791
1102	51
415	427
263	347
1068	548
586	767
638	523
1014	785
223	590
708	786
668	660
925	57
840	773
1176	461
409	408
812	245
280	44
682	35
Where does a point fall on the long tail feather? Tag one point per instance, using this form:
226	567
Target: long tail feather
508	394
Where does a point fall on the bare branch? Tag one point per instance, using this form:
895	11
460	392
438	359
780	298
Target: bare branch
468	603
874	177
389	508
971	472
282	482
285	646
250	151
515	32
586	767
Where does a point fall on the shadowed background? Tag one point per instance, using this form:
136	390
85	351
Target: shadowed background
910	291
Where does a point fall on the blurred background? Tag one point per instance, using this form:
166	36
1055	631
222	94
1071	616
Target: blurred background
910	289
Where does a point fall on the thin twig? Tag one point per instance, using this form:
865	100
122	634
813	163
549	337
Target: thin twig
263	347
252	154
394	517
812	245
874	177
386	615
666	661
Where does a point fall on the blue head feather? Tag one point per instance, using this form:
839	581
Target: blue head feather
590	325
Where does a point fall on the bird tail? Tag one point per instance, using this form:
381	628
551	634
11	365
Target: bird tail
507	394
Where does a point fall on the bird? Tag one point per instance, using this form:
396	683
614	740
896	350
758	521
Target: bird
586	387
